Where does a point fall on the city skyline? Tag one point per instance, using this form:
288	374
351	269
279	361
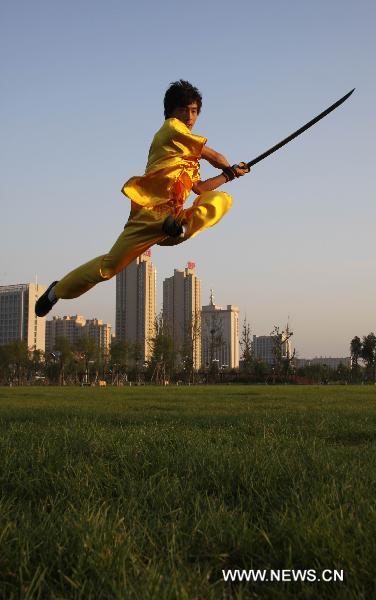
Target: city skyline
147	274
79	112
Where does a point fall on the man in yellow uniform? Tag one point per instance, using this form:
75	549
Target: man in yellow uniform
157	198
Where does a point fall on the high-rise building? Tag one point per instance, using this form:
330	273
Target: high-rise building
72	328
220	335
264	347
18	320
135	303
68	327
100	332
181	311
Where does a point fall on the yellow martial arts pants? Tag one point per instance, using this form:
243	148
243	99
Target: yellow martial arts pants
143	230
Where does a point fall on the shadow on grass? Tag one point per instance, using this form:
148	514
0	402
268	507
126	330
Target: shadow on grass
353	438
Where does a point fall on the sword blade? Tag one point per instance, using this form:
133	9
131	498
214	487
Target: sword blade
299	131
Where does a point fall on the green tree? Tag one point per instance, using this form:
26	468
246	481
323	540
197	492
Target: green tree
282	357
246	346
355	353
5	377
317	373
36	365
368	354
137	356
64	356
186	354
17	354
260	371
88	354
162	358
343	373
213	343
120	358
189	347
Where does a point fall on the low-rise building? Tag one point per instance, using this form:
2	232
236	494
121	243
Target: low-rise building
328	361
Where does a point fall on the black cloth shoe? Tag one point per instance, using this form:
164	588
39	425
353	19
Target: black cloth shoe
43	305
172	228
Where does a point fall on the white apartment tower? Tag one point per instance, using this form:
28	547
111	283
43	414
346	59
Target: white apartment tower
220	335
18	320
181	310
135	303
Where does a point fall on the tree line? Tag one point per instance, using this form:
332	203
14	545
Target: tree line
82	364
363	350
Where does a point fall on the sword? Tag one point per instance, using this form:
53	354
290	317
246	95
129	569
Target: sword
299	131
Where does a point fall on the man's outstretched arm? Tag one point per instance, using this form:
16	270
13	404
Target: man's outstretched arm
218	161
214	158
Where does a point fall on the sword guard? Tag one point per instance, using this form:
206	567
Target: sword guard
244	165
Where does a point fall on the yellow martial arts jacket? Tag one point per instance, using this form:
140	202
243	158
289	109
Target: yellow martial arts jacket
172	167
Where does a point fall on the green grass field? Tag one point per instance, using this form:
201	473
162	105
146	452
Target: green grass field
150	492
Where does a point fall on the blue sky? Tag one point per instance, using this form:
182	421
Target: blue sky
82	90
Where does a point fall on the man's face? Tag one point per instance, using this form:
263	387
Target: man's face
187	114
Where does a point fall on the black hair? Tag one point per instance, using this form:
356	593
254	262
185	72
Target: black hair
179	94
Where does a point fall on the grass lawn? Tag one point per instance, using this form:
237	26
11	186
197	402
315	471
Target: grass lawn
150	493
